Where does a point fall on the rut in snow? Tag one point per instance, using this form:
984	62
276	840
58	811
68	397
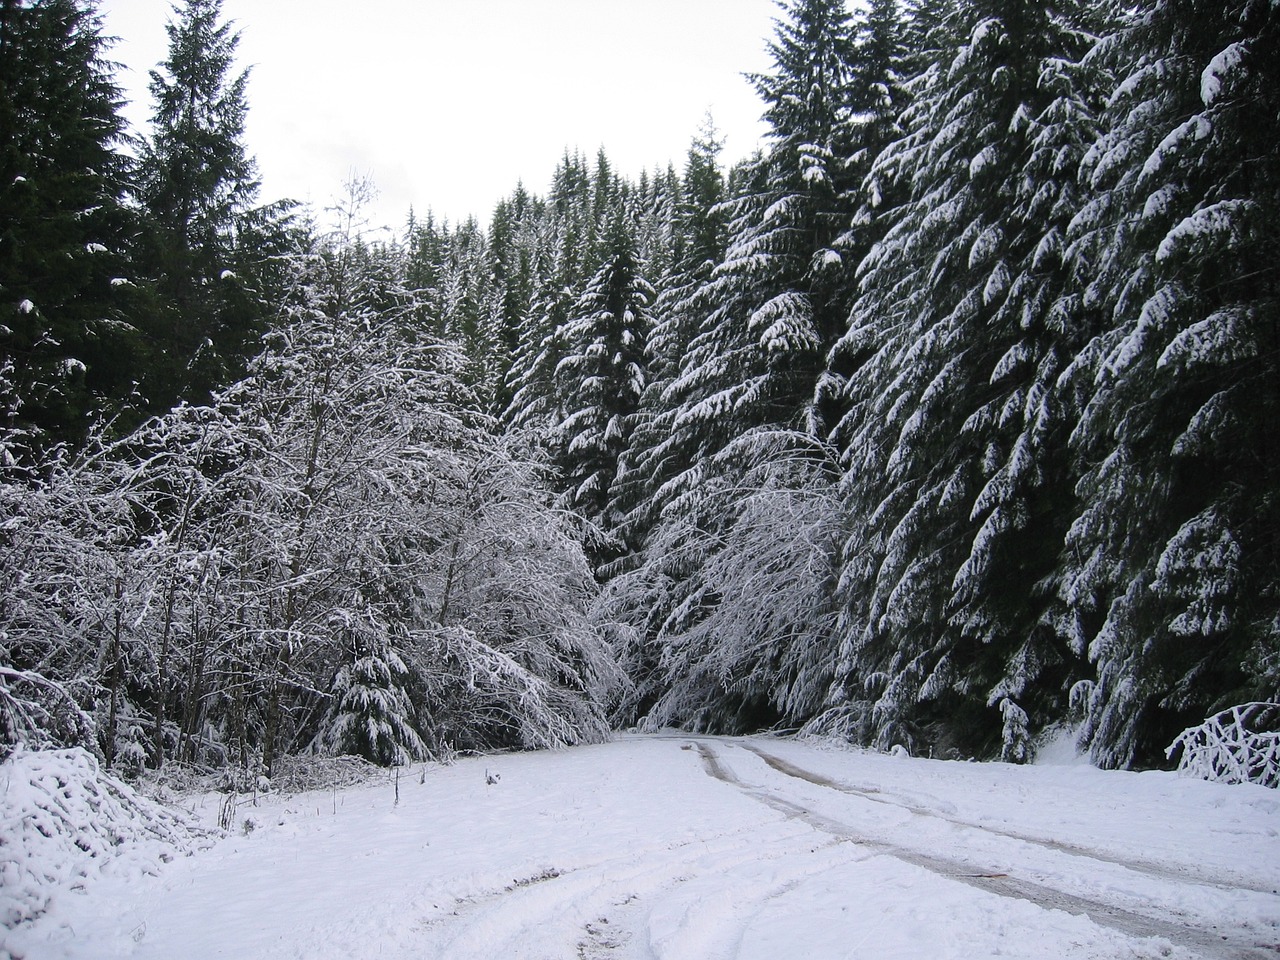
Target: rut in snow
1210	943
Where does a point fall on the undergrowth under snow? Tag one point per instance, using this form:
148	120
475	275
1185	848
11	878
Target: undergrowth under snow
66	822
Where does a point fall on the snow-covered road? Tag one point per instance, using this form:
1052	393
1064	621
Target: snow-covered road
686	847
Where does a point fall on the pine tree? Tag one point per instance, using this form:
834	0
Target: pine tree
567	260
760	324
752	336
789	245
699	236
878	96
516	257
64	294
602	376
372	714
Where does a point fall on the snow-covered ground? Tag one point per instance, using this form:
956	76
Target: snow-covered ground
686	847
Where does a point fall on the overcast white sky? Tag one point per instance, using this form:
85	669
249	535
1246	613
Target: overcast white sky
447	104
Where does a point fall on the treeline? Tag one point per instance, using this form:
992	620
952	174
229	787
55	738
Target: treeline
250	503
949	417
945	419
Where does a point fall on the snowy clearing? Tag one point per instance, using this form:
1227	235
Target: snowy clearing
679	847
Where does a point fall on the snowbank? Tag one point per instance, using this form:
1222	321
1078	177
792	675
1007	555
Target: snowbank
66	822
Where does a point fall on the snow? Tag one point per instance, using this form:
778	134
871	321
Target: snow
984	158
673	847
64	824
1194	129
1223	221
1219	70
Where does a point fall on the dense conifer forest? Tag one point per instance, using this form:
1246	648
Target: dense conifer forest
945	420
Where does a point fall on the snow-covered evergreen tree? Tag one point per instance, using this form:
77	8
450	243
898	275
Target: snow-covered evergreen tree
698	244
878	96
371	714
65	322
197	188
1172	563
758	327
953	430
602	376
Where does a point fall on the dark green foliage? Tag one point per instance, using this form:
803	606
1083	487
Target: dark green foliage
1173	564
205	247
64	289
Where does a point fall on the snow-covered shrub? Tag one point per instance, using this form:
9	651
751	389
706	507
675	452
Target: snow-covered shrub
530	695
132	741
66	822
1238	745
299	774
734	591
38	712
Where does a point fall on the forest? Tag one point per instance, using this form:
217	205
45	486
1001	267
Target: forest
945	421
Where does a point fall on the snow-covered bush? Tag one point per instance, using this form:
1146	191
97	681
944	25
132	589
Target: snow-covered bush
303	773
66	822
1015	741
530	695
735	591
38	712
1238	745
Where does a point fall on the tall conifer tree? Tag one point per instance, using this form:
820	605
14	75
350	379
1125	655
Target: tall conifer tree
63	228
205	241
1172	565
602	376
953	434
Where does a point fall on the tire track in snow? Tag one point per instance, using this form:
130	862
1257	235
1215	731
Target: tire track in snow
606	908
1150	868
1210	944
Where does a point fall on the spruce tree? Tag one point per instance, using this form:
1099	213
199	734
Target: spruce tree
602	376
698	237
878	96
205	242
758	327
371	713
1172	564
64	290
568	257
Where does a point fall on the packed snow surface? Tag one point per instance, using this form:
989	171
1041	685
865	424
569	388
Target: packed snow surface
679	847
